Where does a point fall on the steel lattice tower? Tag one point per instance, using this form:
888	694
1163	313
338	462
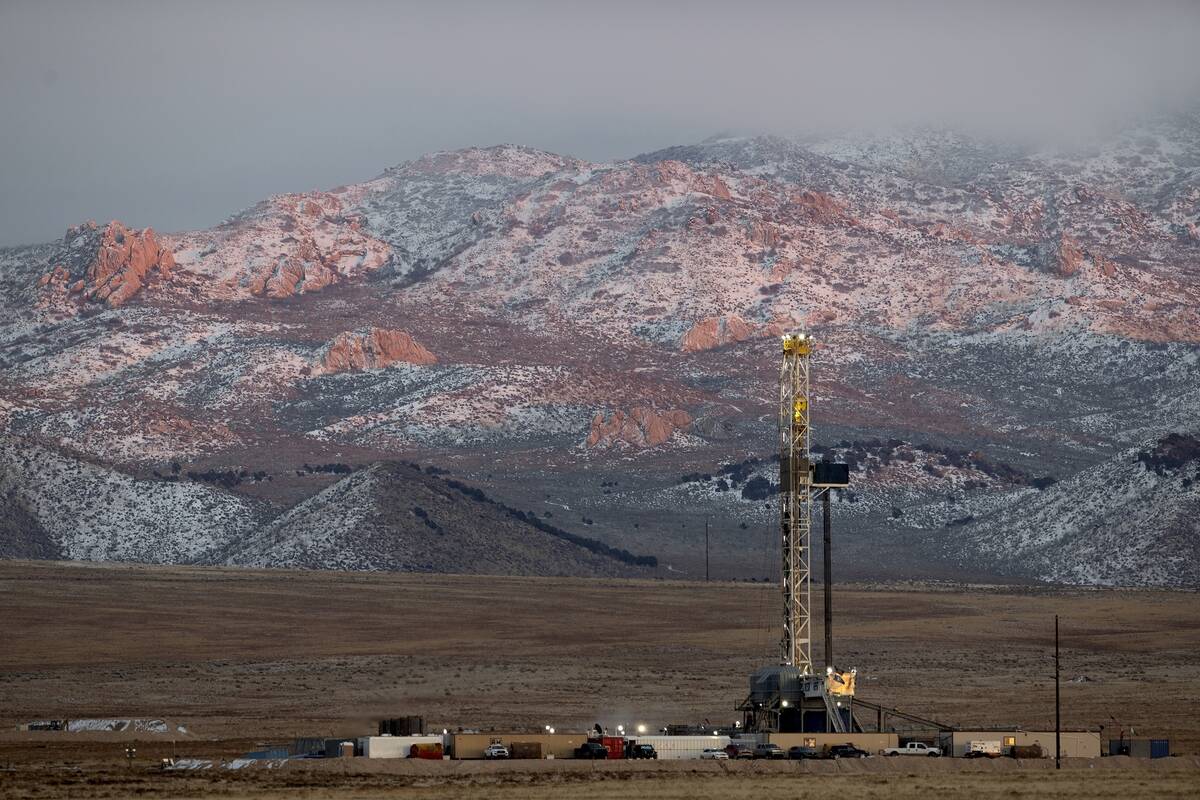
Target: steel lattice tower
795	488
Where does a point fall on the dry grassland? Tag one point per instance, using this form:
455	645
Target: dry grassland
241	658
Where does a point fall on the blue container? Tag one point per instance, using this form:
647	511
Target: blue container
1160	748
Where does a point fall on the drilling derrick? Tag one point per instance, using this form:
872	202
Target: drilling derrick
795	497
789	697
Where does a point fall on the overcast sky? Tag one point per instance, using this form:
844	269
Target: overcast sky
176	115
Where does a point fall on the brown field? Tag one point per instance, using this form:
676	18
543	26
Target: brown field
242	658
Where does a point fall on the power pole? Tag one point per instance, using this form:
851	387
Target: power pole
1057	705
706	549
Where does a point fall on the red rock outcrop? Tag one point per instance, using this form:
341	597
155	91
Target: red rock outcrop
110	265
1107	267
764	234
373	348
1067	258
820	207
643	426
712	185
714	332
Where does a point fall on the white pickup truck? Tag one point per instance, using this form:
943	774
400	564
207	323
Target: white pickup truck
913	749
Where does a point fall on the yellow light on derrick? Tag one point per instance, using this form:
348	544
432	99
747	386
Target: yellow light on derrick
797	343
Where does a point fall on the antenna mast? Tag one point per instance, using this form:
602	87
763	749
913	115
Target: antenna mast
795	487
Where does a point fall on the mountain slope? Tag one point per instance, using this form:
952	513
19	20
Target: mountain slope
571	337
82	511
396	517
1132	520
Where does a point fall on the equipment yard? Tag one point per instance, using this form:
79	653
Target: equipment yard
242	659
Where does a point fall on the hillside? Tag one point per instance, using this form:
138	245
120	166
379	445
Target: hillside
573	337
387	516
395	517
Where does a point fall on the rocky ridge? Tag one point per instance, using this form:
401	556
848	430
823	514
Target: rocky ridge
105	265
1040	309
372	348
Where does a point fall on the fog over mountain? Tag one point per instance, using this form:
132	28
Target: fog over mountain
175	113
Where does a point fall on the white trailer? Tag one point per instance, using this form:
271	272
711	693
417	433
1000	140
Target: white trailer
393	746
984	748
680	747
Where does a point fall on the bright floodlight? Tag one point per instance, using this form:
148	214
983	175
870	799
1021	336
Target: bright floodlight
641	728
785	704
829	670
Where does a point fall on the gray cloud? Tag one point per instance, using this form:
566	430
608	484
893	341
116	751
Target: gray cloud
175	114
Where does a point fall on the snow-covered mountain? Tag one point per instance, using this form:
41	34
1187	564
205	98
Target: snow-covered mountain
573	337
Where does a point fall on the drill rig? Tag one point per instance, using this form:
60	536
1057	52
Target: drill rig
791	696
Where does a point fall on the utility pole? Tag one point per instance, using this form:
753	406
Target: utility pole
1057	704
828	581
706	549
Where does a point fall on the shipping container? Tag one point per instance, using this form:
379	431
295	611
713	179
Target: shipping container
615	745
525	750
1140	748
432	752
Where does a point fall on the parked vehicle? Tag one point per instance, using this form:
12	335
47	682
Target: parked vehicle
715	754
643	751
739	751
913	749
769	750
798	752
593	750
846	751
496	751
983	749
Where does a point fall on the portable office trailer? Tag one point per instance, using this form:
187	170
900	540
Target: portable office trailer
679	747
557	745
396	746
871	742
1075	744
